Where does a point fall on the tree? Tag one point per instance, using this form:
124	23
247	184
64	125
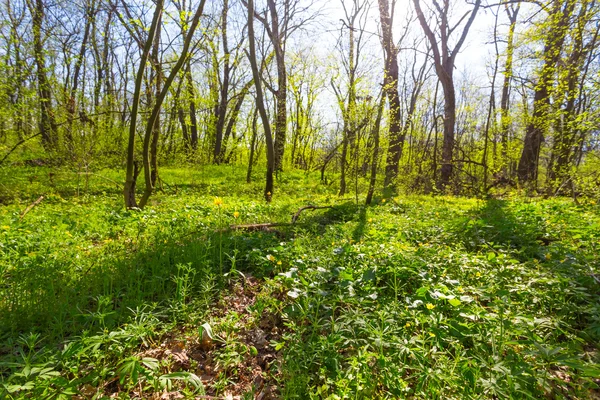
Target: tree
390	84
260	103
355	21
444	59
47	125
512	11
149	154
557	25
572	72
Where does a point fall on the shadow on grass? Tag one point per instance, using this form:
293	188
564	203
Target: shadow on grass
63	296
495	224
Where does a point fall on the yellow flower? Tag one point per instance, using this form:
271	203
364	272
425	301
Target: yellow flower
236	214
278	262
478	274
370	220
408	324
548	256
431	334
268	193
270	257
6	227
430	306
460	289
218	201
383	201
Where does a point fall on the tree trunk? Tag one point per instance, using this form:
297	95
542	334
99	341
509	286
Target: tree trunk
390	84
47	126
260	104
505	119
375	161
538	125
130	176
281	93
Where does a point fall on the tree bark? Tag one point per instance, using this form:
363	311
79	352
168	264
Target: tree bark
260	104
47	125
444	59
390	84
527	169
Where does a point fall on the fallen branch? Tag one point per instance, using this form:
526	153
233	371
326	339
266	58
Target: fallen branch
297	214
20	142
35	203
258	227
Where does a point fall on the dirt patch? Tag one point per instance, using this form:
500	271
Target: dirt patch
250	341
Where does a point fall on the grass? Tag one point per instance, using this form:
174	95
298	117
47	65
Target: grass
414	297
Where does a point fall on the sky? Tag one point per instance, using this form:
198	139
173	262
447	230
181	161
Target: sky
475	56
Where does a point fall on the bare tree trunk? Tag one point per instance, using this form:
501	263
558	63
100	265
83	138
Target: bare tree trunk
252	145
444	59
281	93
375	161
260	104
130	176
158	77
151	124
221	108
505	119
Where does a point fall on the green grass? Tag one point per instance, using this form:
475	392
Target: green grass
414	297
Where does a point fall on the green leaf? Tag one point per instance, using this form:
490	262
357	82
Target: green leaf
454	302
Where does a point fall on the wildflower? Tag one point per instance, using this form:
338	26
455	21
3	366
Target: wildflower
270	257
370	220
478	274
431	334
278	262
236	214
548	256
430	306
408	324
383	200
218	201
460	289
6	227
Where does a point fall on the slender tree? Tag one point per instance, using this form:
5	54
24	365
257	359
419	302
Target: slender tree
444	58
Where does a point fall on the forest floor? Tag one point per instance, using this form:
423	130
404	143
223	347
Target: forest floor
415	297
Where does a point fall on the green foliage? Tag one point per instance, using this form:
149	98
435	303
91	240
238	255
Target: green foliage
413	297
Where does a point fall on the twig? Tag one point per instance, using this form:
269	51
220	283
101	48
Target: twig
35	203
118	184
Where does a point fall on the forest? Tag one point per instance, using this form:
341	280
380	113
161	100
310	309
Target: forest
282	199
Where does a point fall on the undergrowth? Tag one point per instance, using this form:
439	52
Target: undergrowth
413	297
